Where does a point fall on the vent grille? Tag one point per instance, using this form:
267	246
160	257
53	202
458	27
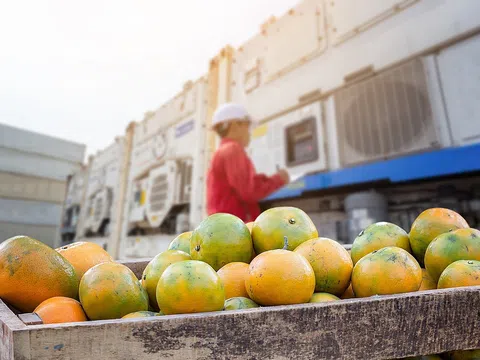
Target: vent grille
385	116
158	194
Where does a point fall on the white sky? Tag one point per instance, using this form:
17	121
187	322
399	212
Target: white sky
82	70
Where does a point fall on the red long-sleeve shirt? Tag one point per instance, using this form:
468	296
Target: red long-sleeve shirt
233	186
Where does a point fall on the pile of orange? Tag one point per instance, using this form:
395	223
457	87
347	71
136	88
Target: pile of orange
225	264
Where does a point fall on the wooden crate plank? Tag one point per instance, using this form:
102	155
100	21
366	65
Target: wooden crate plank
385	327
30	319
137	266
9	322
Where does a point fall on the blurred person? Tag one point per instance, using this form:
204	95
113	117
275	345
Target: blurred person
233	186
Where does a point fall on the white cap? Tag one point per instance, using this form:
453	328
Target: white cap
229	112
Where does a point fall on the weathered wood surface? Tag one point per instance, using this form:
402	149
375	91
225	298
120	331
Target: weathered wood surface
30	319
137	266
386	327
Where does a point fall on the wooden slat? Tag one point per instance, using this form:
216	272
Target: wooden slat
9	322
30	319
137	266
384	327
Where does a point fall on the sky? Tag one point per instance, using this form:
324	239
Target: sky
82	70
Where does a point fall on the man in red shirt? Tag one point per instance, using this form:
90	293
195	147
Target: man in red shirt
233	186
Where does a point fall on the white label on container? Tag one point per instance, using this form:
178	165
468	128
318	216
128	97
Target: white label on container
359	213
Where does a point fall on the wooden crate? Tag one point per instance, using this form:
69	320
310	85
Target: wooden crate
381	327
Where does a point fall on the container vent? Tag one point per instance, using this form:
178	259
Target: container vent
385	116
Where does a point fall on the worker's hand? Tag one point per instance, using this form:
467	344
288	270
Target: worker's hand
284	176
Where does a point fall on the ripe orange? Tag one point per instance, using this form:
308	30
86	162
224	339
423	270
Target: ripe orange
330	262
377	236
221	239
280	277
323	297
60	309
181	242
348	294
460	273
427	282
155	269
84	255
190	287
273	225
461	244
31	272
233	278
428	225
390	270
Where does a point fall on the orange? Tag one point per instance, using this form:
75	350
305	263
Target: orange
460	273
428	225
377	236
274	225
31	272
323	297
280	277
250	226
465	355
348	294
233	277
330	262
390	270
240	303
190	287
140	314
424	357
84	255
111	291
221	239
462	244
60	309
155	269
181	242
427	282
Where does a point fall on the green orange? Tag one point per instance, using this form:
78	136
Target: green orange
190	287
31	272
377	236
348	294
239	303
181	242
465	355
460	273
221	239
110	291
461	244
390	270
428	225
273	225
323	297
155	269
140	314
330	262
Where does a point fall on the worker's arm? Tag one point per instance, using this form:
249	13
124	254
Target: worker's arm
241	175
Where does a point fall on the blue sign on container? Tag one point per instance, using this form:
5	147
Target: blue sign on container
184	128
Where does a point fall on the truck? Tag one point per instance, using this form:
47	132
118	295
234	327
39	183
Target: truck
165	194
372	106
